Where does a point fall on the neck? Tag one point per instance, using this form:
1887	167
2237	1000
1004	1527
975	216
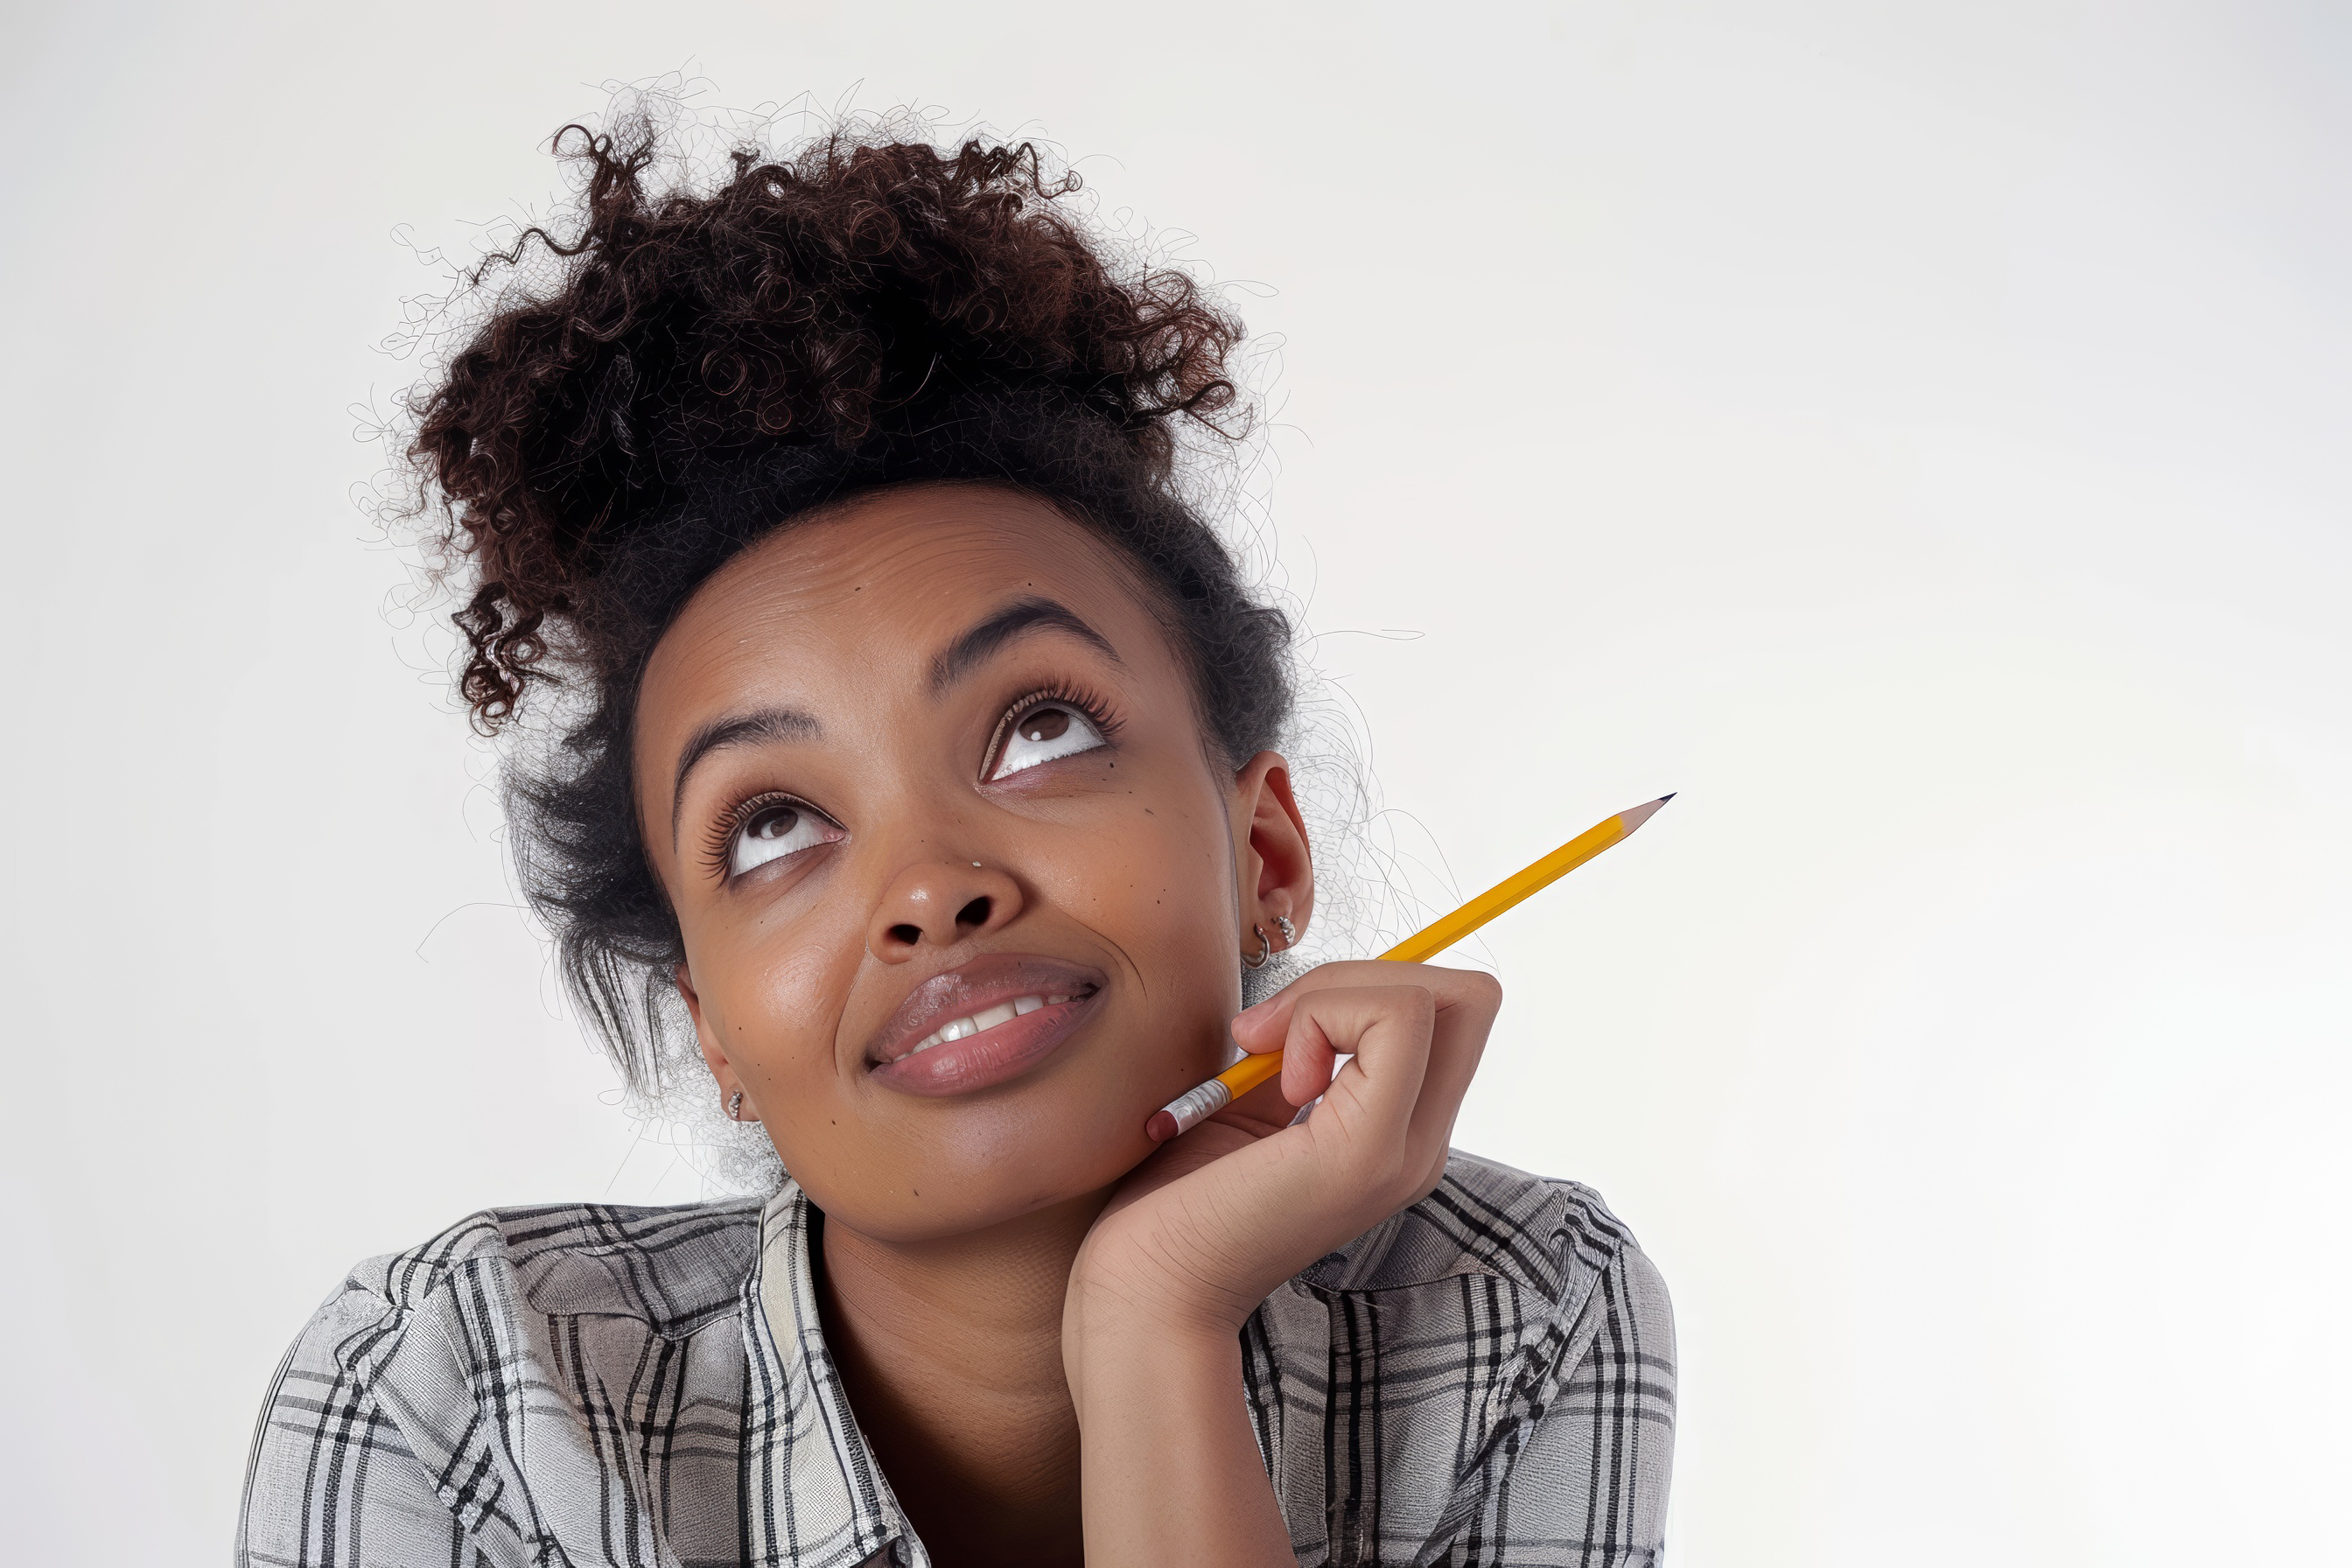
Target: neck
952	1355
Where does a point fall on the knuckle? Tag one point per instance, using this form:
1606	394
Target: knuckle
1473	988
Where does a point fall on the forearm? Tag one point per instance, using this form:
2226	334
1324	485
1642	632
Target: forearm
1171	1467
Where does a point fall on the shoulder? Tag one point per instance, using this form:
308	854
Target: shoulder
487	1291
1555	1238
672	1268
1481	1367
1495	1268
394	1426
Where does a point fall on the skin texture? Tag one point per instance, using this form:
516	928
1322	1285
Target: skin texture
1034	1308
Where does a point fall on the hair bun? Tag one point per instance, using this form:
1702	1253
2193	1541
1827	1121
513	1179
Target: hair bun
853	294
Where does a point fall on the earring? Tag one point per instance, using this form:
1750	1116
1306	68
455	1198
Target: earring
735	1106
1289	931
1264	951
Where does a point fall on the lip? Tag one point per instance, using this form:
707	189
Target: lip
993	1055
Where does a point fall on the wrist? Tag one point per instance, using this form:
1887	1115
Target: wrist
1119	1318
1114	1302
1114	1362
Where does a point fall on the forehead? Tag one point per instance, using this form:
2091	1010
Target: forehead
869	593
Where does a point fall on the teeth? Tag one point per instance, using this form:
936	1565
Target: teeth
986	1018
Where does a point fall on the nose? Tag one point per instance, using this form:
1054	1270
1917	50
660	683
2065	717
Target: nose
939	903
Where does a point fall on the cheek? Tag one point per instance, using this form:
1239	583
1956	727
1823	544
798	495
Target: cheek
772	999
1155	879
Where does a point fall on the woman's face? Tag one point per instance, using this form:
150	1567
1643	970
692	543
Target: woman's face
962	890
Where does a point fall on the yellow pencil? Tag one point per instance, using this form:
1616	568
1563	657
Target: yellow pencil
1183	1114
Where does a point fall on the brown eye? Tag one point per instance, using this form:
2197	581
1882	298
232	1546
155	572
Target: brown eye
1045	724
774	831
1043	733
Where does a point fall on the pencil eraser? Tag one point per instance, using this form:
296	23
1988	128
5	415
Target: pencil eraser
1161	1127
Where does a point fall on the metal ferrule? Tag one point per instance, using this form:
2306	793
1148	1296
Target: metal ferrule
1198	1105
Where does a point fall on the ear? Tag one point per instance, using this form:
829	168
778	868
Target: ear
707	1037
1275	869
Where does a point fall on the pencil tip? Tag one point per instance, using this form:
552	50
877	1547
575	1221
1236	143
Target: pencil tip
1668	795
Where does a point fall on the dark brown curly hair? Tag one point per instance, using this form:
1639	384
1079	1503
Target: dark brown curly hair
708	366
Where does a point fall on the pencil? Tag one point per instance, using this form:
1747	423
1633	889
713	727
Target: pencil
1188	1110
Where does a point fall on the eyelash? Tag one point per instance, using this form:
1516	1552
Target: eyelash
1098	712
719	847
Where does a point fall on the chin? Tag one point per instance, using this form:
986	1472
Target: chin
982	1184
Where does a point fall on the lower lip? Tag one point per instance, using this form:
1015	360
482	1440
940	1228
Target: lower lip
988	1059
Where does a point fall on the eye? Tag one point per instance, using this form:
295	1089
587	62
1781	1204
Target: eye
773	830
1044	733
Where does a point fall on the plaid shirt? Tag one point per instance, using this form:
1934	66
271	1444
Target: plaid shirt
1486	1377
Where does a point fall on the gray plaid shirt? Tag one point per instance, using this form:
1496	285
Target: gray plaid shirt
1486	1377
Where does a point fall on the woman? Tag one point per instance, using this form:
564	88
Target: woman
895	732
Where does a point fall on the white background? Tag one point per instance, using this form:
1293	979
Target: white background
1915	433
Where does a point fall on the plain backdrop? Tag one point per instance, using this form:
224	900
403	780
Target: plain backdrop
1917	433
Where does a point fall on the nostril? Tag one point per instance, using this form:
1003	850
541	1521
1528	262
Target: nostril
975	914
910	935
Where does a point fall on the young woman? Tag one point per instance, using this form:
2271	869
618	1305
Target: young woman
899	741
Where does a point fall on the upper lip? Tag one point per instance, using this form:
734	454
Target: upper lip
971	987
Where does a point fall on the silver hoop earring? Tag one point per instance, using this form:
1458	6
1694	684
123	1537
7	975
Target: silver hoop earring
1264	950
735	1106
1289	931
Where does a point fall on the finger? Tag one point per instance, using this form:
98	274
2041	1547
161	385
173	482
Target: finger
1462	996
1386	1028
1347	973
1464	1006
1265	1028
1310	1058
1260	1028
1264	1111
1264	1025
1467	1002
1465	1018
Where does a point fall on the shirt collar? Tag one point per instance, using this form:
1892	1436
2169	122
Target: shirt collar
813	1494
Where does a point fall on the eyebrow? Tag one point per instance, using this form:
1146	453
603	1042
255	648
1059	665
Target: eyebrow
737	729
1021	616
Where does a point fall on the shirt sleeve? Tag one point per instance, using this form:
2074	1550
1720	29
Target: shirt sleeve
330	1480
1590	1485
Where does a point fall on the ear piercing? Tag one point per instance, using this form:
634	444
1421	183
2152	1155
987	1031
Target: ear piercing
1266	949
735	1106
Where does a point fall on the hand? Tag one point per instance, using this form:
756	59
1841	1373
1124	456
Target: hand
1211	1224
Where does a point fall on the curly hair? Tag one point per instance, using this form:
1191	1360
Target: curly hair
708	366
